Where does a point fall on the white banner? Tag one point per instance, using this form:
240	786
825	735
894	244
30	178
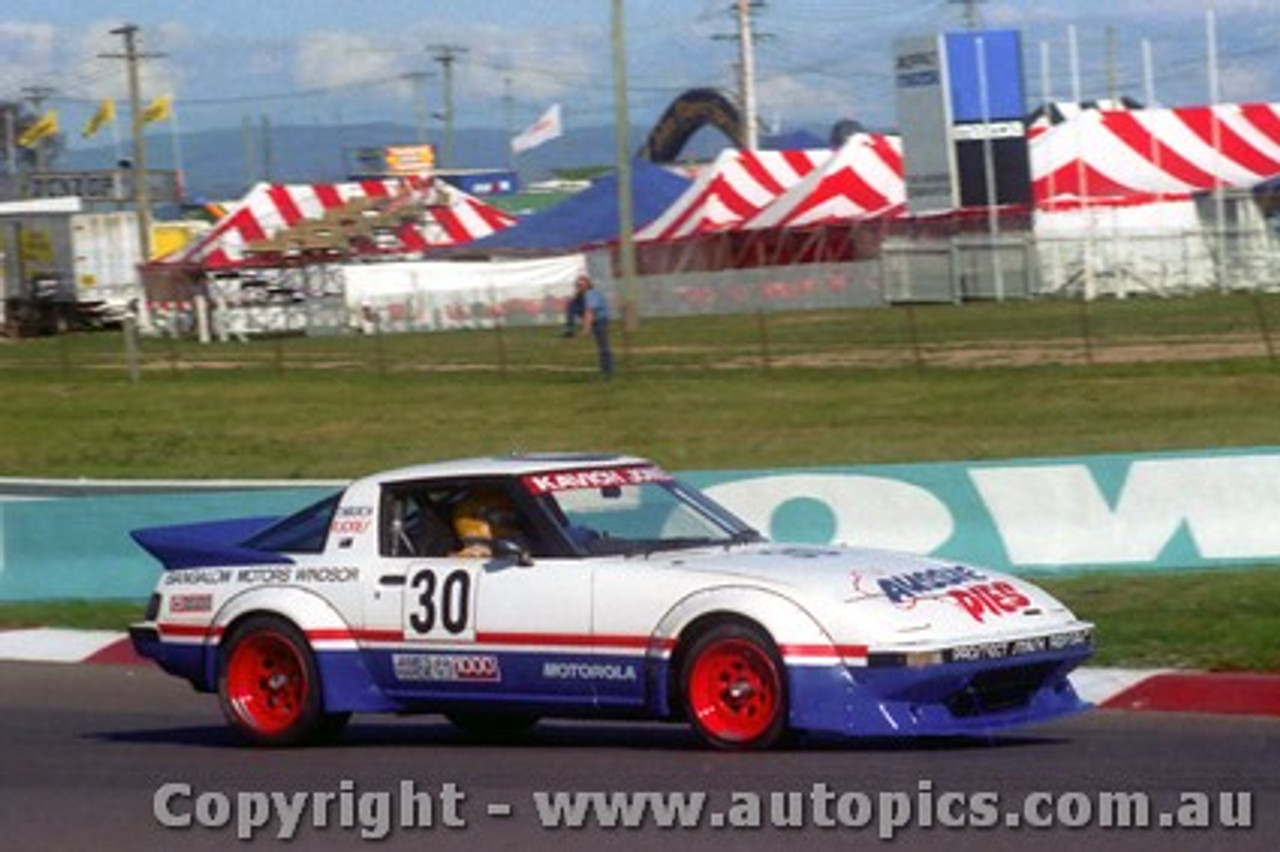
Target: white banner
426	295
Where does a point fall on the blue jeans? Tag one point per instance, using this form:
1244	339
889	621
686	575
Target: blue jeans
600	331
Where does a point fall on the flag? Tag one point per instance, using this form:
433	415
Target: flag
160	109
105	115
47	125
545	129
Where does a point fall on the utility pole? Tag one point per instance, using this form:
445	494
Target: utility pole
268	154
250	151
446	55
971	21
141	188
746	52
417	80
1112	91
746	38
508	117
37	95
626	215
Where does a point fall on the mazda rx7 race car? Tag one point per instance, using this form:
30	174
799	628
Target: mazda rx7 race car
501	590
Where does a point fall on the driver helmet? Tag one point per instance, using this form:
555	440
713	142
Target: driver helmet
482	516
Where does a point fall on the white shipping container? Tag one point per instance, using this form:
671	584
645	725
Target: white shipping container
105	258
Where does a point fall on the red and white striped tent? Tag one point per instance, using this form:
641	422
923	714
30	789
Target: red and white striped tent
268	209
734	188
1097	156
1138	156
862	180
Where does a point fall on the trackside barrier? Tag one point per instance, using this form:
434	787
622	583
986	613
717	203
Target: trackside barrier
1164	511
78	547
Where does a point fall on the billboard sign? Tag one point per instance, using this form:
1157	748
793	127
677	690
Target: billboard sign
985	76
392	161
115	185
410	159
961	109
924	120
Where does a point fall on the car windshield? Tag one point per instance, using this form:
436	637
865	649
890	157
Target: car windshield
635	511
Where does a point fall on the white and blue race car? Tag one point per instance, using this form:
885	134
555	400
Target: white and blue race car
499	591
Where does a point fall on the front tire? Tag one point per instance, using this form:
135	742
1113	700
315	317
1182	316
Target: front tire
733	688
269	686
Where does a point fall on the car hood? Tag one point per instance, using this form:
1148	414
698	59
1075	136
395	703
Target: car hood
861	592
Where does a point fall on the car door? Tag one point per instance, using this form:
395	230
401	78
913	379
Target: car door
440	626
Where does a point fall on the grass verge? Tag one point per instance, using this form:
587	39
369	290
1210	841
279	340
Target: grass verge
80	615
1213	620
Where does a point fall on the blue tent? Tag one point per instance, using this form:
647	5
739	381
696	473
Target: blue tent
589	217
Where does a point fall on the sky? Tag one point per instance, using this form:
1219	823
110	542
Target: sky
817	61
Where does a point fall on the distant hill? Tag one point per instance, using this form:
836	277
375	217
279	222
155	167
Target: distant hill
222	164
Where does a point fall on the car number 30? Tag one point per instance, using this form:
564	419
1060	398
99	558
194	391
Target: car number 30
438	604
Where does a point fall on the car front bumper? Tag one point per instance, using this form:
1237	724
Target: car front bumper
952	695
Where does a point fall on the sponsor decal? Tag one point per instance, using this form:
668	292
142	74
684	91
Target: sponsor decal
614	477
263	575
589	671
352	520
906	588
267	574
198	577
446	668
191	603
984	599
326	575
991	130
976	597
1017	647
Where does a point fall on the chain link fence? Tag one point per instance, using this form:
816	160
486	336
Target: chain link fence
959	299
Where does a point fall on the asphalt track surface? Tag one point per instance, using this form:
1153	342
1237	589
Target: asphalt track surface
86	750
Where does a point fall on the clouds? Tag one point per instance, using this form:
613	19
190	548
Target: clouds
28	51
336	60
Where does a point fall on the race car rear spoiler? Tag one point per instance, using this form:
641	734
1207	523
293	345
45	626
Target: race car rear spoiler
208	544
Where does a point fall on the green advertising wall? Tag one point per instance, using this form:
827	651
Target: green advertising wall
1161	511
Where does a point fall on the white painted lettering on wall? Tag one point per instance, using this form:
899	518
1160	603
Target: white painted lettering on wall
869	511
1057	514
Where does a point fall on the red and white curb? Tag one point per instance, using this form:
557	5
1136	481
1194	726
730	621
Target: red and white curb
1236	693
65	645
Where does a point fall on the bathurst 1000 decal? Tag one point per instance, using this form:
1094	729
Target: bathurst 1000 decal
446	667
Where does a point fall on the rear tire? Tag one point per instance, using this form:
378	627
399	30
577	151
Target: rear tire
733	688
269	686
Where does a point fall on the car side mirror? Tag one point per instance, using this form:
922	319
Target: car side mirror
505	547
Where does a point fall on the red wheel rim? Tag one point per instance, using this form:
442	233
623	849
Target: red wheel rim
266	682
734	690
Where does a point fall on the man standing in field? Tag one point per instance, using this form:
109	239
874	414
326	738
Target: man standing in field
595	319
